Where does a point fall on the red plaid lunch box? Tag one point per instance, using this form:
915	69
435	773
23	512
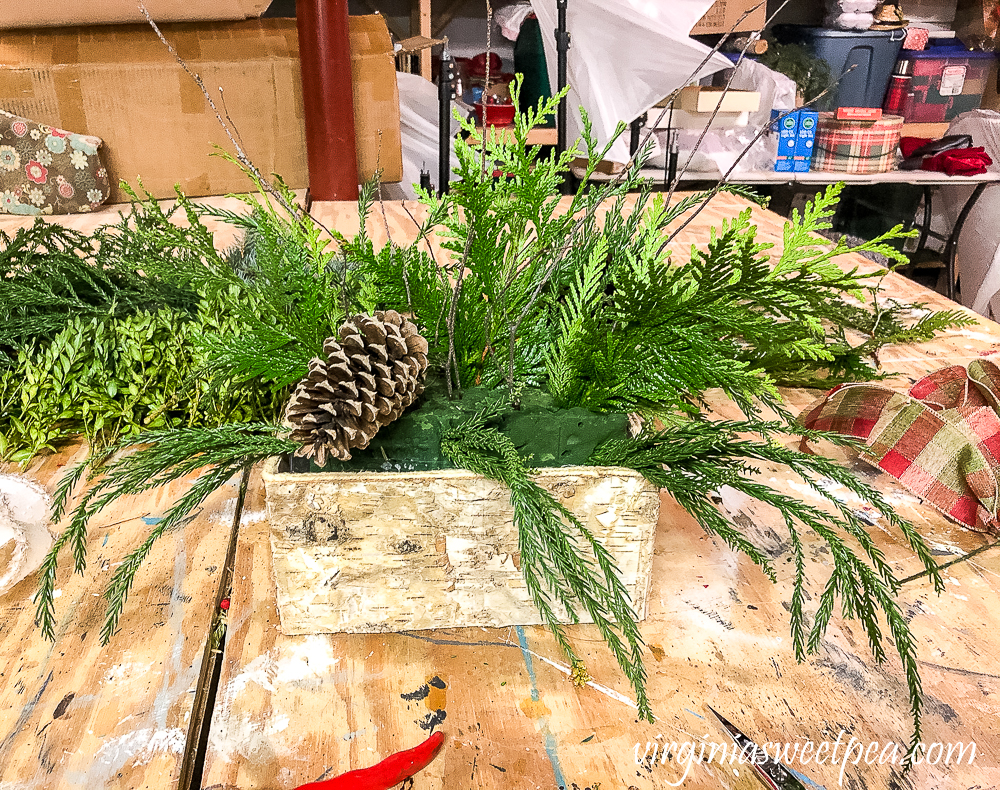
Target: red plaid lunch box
857	146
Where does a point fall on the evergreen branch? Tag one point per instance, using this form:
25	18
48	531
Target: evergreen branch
551	559
693	458
116	593
162	456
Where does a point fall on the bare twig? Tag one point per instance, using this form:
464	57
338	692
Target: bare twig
697	70
486	84
241	154
423	233
297	212
718	107
452	362
963	558
726	177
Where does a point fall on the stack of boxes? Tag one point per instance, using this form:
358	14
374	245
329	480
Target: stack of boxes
118	81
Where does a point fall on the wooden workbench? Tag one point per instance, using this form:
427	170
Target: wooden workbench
74	714
292	709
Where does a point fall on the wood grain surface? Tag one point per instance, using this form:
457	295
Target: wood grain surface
294	709
74	714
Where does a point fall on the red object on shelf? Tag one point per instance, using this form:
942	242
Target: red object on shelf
946	81
477	64
495	114
859	113
898	95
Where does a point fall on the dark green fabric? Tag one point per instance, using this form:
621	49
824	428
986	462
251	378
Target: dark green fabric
529	60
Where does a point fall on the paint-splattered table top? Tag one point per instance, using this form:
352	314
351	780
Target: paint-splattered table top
74	714
294	709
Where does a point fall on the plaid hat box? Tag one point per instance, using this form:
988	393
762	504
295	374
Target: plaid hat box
845	146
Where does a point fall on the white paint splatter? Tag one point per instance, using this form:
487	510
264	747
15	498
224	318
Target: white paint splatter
227	513
140	746
179	678
982	337
128	671
24	519
733	501
252	517
234	737
309	658
259	671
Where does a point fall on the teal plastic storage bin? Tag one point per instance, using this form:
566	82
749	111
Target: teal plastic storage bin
872	53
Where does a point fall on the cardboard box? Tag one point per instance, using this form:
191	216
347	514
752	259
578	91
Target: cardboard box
121	84
932	14
65	13
695	98
376	99
725	14
991	96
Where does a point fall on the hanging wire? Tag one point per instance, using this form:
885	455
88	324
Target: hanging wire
486	85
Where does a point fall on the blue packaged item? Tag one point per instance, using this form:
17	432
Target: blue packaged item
805	138
788	131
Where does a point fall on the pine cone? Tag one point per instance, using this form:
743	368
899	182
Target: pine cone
369	377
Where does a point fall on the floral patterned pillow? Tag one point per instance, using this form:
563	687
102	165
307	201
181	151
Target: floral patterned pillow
48	171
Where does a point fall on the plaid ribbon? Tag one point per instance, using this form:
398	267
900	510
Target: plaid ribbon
941	441
856	146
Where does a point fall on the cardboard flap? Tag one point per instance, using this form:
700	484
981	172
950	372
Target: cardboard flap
15	14
416	44
376	99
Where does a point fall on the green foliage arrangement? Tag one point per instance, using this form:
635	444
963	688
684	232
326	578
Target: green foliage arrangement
810	74
100	334
534	295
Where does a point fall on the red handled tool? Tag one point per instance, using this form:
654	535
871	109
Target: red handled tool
393	770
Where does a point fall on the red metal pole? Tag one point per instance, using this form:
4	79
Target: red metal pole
328	98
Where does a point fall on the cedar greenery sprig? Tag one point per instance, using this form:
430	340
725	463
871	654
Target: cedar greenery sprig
563	564
693	459
156	458
49	274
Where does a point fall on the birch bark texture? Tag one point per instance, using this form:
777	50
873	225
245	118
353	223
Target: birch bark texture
387	552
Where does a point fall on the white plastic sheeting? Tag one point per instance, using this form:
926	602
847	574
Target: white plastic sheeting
510	18
418	122
731	134
978	254
24	534
625	56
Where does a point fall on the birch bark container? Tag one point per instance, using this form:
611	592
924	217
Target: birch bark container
374	552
